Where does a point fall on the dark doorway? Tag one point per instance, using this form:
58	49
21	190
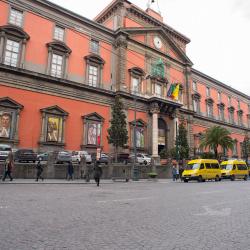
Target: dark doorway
162	134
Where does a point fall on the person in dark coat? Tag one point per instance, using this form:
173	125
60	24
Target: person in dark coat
39	170
9	163
70	171
97	173
174	172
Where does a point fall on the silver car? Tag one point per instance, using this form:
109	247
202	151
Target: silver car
63	156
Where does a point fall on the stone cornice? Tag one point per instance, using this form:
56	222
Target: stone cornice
166	36
223	85
204	118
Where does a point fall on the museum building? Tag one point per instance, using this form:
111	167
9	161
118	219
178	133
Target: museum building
60	73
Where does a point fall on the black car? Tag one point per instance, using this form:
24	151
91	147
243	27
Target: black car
25	155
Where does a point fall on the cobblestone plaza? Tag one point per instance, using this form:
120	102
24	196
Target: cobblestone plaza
119	215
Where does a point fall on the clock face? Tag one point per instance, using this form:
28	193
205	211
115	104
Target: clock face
157	42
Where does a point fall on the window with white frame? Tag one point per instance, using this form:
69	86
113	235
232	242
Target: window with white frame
207	91
158	89
56	65
221	113
194	85
135	85
209	110
16	17
94	46
219	96
12	50
195	105
93	75
59	33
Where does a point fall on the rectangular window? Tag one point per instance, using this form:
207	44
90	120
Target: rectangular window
208	91
240	120
16	17
94	134
194	86
158	89
135	85
59	33
56	65
219	96
94	46
195	104
209	111
11	53
93	75
231	117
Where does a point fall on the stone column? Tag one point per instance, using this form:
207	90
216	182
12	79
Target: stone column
154	109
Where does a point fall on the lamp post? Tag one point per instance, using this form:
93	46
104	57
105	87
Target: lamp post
135	167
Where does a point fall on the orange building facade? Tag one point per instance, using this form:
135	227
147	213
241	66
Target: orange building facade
60	72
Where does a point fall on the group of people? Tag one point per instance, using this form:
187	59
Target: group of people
85	170
177	172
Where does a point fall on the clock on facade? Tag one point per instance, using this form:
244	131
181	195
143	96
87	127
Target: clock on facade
157	42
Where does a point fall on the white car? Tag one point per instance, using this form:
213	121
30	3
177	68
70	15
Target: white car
76	156
141	158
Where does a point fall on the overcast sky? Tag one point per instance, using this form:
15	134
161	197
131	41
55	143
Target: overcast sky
219	33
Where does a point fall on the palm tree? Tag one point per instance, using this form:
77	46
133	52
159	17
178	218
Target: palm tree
217	136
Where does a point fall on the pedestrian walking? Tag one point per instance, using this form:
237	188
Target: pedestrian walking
177	173
97	173
39	171
174	172
70	171
8	167
181	171
83	169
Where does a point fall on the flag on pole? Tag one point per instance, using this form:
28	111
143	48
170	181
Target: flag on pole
170	90
175	94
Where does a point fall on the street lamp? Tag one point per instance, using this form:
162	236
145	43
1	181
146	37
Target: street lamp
135	167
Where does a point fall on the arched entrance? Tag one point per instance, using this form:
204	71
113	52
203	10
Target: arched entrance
162	135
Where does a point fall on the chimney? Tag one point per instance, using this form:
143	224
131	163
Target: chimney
154	14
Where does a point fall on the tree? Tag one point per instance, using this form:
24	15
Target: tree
246	148
181	143
118	133
216	136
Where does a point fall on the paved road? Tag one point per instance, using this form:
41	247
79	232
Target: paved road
147	215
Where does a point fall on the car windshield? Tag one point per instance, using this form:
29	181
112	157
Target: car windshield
4	149
227	167
193	166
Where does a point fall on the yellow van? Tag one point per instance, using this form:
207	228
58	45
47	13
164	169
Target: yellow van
234	169
201	170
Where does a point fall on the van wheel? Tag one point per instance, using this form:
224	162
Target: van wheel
232	178
185	180
217	178
245	178
200	179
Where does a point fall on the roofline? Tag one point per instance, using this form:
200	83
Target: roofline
195	71
141	11
74	15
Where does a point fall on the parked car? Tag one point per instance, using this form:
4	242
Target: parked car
76	156
25	155
43	156
63	156
4	151
122	157
104	159
141	158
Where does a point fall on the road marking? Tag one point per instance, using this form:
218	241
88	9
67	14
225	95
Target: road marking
121	200
214	212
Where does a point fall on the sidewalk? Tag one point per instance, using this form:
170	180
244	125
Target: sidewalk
76	181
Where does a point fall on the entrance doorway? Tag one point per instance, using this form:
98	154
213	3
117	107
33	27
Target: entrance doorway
162	135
